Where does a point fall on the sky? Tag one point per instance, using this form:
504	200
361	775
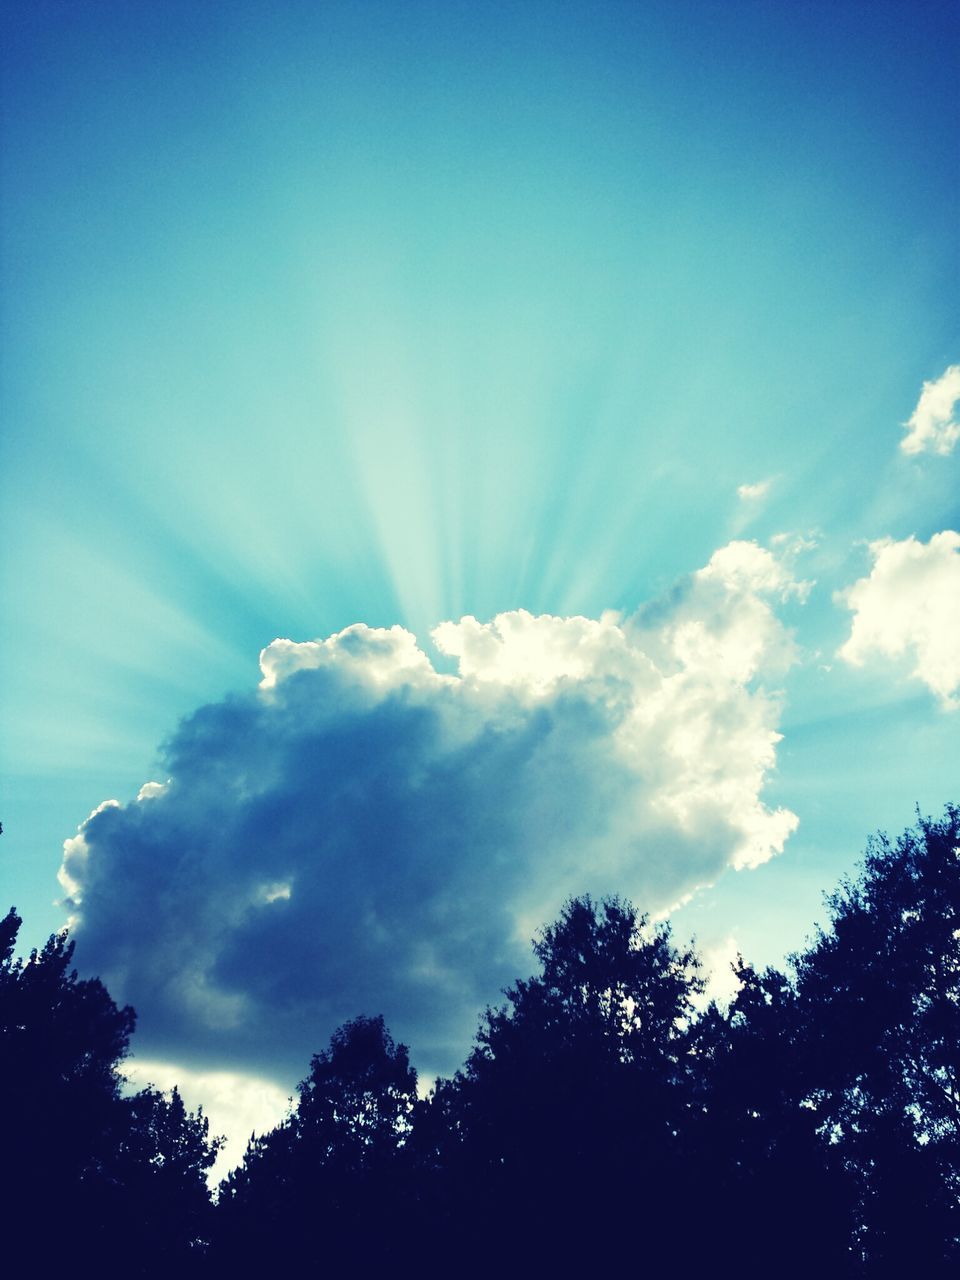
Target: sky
459	456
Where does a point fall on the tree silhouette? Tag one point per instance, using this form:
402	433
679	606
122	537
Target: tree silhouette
600	1123
568	1111
830	1095
163	1211
60	1040
328	1179
758	1147
119	1176
879	1003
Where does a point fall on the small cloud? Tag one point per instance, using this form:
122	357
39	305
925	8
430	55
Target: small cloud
932	427
278	892
150	790
909	606
791	545
754	492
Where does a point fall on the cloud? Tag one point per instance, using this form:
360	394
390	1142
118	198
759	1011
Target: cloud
718	958
909	606
753	492
932	427
365	833
236	1105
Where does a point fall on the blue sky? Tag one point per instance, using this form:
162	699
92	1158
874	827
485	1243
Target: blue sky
324	314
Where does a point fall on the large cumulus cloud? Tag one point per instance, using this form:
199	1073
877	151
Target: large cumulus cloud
367	833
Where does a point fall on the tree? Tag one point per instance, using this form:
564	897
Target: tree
776	1191
566	1119
60	1043
120	1176
157	1172
328	1181
355	1105
879	1006
830	1093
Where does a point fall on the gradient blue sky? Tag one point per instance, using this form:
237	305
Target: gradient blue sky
323	313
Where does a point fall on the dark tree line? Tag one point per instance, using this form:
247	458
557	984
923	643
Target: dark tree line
90	1176
603	1120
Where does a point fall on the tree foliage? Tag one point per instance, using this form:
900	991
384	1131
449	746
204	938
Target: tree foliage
878	996
87	1171
310	1184
603	1120
568	1110
815	1117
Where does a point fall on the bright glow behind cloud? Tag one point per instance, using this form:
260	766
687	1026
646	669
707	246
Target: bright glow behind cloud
932	427
237	1106
909	605
368	834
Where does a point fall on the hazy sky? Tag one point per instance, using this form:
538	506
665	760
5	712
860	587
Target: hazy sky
318	316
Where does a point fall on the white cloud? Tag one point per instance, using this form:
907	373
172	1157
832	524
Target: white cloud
365	834
909	606
718	959
236	1105
932	427
149	790
380	658
753	492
